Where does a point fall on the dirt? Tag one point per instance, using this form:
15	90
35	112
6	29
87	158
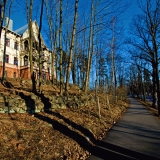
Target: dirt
63	134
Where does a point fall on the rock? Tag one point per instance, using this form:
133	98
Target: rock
16	97
2	111
37	111
11	102
60	100
2	99
11	111
23	105
62	106
54	106
69	98
23	81
69	104
84	97
29	81
33	96
16	109
21	111
39	105
49	97
53	98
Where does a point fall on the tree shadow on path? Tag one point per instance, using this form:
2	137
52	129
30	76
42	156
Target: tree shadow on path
101	149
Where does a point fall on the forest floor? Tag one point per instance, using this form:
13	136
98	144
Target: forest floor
56	135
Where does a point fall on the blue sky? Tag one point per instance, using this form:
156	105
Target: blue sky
132	10
19	18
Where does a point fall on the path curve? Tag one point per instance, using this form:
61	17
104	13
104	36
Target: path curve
135	136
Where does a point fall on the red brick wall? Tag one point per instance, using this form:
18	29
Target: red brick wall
23	72
10	69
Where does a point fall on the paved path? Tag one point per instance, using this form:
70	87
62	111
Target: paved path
135	136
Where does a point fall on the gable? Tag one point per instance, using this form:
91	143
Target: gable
23	31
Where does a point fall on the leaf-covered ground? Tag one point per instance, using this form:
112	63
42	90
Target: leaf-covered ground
58	135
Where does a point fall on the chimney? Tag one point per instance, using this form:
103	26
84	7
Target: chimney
10	24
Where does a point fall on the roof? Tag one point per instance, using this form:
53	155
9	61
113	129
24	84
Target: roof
22	29
11	31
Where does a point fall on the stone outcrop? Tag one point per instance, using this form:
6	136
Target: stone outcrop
20	103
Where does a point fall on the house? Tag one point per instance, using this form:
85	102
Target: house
17	63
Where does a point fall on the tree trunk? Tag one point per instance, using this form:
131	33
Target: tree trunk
53	37
30	46
6	30
72	46
4	55
40	49
113	60
2	6
61	51
89	51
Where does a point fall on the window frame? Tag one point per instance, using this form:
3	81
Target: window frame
6	58
15	61
7	42
25	60
44	76
16	45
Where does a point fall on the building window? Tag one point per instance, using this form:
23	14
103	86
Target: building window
25	60
16	45
7	42
7	58
15	61
14	75
44	76
26	45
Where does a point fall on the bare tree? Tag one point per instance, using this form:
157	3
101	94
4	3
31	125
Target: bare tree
90	49
61	51
114	81
40	49
30	31
5	35
147	31
52	18
2	14
72	46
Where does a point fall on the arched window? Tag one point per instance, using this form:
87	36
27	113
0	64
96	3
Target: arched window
26	45
7	58
7	42
15	61
25	60
16	45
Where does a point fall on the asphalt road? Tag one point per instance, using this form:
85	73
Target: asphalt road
135	136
